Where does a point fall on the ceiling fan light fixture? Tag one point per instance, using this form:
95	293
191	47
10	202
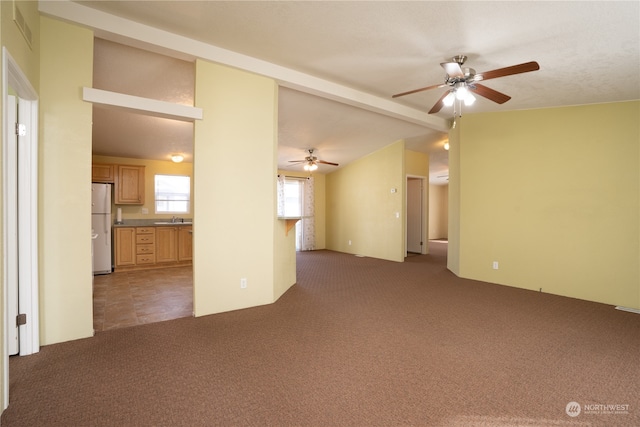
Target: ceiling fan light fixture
461	91
310	167
469	99
448	100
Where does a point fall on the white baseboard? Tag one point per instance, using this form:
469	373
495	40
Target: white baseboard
630	310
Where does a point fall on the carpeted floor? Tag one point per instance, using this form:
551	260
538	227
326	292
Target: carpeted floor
356	342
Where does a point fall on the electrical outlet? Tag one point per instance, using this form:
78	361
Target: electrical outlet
349	242
243	283
495	265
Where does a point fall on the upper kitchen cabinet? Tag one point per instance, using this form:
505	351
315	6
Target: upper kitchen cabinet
102	173
129	185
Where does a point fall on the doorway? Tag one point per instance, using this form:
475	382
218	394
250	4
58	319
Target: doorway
20	195
416	237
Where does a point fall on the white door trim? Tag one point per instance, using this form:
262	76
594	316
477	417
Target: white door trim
28	272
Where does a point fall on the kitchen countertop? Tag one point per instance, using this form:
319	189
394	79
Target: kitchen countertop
152	223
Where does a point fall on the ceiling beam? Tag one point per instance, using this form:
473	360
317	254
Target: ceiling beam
146	106
149	38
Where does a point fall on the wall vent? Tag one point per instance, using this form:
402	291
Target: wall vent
18	18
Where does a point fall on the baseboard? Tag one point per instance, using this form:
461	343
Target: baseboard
630	310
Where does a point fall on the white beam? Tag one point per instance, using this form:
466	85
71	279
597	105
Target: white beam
146	106
143	36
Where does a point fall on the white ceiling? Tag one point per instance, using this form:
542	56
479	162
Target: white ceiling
589	52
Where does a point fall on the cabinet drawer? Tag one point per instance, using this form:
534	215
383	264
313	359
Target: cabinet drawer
145	230
144	249
146	259
145	238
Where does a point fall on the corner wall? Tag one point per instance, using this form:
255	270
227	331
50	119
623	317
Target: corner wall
362	209
235	168
553	195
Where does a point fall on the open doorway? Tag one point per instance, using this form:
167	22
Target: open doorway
20	194
416	237
438	212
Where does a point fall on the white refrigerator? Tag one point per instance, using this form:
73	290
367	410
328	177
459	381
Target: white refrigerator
101	225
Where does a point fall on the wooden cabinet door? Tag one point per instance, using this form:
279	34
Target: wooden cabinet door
129	185
125	246
166	241
185	243
102	173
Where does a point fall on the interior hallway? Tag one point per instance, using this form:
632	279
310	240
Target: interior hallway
133	298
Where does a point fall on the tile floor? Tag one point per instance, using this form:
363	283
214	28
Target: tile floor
137	297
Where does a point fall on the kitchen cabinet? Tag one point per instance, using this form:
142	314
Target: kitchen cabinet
129	185
185	243
125	247
166	244
102	173
142	248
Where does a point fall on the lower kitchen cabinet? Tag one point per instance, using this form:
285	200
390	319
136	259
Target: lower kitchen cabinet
138	248
185	243
166	244
125	246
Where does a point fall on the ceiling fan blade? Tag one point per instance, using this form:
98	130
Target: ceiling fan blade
452	69
297	161
508	71
418	90
489	93
327	163
438	105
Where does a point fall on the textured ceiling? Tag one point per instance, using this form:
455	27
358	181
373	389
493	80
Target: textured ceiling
589	52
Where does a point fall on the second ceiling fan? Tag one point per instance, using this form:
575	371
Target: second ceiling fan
311	162
462	81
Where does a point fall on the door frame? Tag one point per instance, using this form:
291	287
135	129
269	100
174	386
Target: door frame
27	200
424	220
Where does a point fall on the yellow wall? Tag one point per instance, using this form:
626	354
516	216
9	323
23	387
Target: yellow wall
319	205
438	211
235	172
28	58
553	196
152	168
361	207
65	176
416	164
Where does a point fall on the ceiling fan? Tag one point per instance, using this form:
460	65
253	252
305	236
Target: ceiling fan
463	81
311	161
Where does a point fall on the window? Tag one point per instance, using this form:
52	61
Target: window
293	197
293	194
173	194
